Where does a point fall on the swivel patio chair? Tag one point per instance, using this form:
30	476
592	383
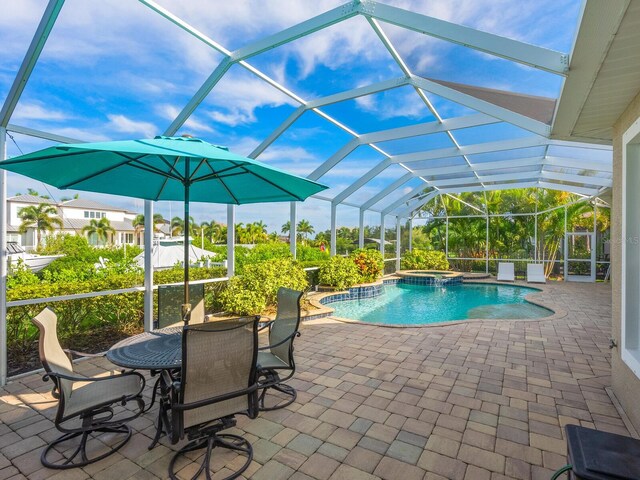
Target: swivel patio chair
277	357
170	300
218	381
86	404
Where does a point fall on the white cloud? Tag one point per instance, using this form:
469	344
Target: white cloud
121	123
170	112
37	111
238	95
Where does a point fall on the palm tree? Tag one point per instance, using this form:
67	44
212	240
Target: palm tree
101	228
305	228
217	231
177	225
138	222
286	228
43	218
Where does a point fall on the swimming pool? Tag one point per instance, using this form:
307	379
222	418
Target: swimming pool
405	304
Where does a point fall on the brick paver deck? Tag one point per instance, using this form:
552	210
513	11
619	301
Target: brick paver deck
476	400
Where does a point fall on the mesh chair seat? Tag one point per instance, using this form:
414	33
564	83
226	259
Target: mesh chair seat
269	360
277	357
85	395
85	408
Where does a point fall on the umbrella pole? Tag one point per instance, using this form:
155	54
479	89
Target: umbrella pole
186	307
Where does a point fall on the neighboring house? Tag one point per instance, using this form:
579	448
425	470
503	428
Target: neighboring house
75	215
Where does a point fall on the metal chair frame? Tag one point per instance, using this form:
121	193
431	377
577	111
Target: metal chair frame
270	377
95	419
206	435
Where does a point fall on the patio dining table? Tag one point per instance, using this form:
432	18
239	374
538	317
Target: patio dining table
156	350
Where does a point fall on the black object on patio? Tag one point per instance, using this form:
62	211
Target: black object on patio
597	455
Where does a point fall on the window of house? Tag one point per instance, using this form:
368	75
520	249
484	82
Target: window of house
630	242
86	214
104	215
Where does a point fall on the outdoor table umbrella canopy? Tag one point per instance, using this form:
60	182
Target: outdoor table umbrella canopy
163	168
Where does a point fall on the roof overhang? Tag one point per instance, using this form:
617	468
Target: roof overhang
604	72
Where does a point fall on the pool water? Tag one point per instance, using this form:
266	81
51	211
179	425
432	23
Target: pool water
404	304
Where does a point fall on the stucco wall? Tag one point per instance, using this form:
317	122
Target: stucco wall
625	384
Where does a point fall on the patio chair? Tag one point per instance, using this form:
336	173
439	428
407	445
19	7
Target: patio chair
170	300
506	272
86	404
278	355
218	381
535	273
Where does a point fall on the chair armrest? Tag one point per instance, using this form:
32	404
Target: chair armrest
70	352
74	378
281	342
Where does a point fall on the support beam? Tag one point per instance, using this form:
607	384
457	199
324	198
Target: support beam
293	230
149	228
398	243
300	30
382	232
569	188
38	42
581	179
363	180
417	204
567	162
334	159
231	240
487	147
32	132
199	96
516	51
358	92
405	198
504	114
386	191
361	229
334	236
427	128
277	132
411	234
4	217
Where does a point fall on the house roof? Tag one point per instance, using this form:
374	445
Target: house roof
30	199
79	223
604	73
91	204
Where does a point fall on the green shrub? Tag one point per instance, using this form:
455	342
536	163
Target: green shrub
257	287
260	253
306	254
339	272
369	263
424	260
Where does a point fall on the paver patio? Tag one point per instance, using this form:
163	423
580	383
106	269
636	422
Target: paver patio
475	400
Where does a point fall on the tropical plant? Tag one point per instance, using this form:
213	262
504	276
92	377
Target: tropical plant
138	222
101	228
286	228
177	225
424	260
304	228
339	272
42	217
257	287
370	264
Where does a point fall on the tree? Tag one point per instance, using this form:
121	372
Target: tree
286	228
177	225
101	228
43	217
305	228
138	222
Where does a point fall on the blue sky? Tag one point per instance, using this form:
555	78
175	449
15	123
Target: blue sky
116	70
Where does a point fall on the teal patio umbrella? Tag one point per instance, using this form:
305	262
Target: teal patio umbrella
163	168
